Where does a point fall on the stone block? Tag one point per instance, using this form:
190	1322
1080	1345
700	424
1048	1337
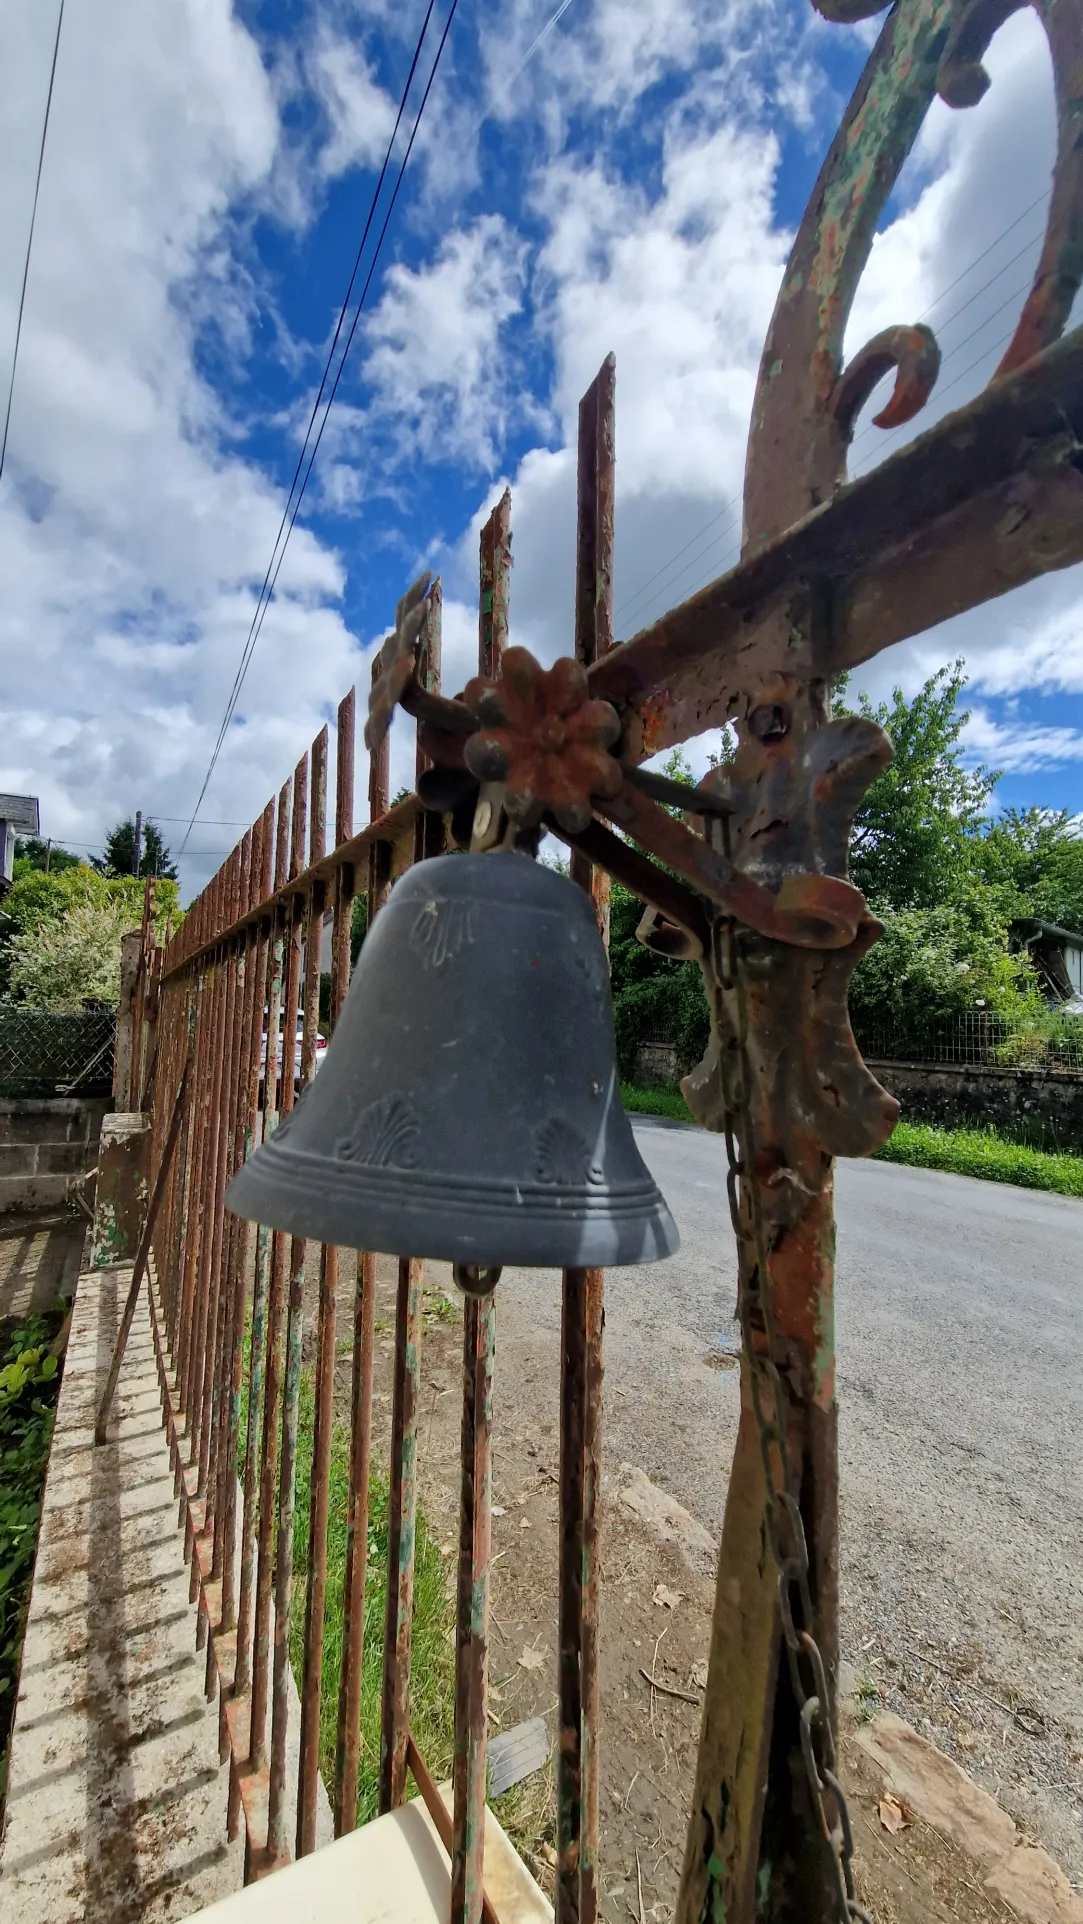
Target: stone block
18	1158
32	1193
62	1158
120	1203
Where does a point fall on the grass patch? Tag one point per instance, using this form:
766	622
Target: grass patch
655	1102
29	1385
982	1152
432	1670
978	1151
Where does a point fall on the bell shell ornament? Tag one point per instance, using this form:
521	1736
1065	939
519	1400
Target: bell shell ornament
468	1108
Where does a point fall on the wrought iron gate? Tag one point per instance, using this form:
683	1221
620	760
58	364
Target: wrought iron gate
831	573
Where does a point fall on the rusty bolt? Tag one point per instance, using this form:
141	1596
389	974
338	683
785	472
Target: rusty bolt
769	721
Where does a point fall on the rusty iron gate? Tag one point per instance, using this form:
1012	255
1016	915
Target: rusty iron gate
752	881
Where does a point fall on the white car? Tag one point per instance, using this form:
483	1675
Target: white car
321	1046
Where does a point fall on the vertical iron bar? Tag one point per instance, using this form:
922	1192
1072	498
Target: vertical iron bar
406	1390
287	1470
248	1071
479	1339
207	1303
234	1278
364	1323
217	1468
472	1615
401	1519
278	999
324	1388
258	1340
583	1314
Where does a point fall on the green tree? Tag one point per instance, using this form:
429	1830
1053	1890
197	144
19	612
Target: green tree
932	964
1033	859
33	854
653	995
914	836
118	856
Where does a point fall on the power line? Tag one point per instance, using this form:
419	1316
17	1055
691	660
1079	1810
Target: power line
341	366
868	430
284	531
292	512
30	239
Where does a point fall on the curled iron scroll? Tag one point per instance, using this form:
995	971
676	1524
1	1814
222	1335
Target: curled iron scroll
805	404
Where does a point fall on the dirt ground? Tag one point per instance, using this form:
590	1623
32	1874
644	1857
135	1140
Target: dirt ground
655	1622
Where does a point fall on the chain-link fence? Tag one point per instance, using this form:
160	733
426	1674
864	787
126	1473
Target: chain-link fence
44	1054
1051	1043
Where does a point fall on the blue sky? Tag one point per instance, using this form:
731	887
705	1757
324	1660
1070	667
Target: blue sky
632	183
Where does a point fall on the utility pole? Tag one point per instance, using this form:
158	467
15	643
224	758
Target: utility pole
48	854
138	840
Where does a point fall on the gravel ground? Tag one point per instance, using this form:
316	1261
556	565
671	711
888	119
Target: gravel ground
960	1343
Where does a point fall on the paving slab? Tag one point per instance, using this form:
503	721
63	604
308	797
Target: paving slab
40	1257
116	1806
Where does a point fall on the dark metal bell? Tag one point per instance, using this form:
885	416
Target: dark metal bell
468	1107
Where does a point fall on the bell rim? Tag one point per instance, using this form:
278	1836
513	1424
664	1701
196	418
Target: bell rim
335	1178
604	1229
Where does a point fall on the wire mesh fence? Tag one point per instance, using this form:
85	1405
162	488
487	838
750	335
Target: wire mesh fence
1051	1043
46	1054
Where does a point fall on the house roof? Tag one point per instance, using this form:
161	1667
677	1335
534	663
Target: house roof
22	812
1037	927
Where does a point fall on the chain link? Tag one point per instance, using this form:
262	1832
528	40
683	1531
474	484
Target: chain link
785	1529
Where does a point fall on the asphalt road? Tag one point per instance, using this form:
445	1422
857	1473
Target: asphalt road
959	1318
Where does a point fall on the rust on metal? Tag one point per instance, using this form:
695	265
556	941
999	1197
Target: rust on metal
316	1592
401	1525
348	1736
583	1290
142	1254
753	882
472	1613
278	1819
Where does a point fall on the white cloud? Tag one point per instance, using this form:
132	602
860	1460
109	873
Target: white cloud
360	113
434	367
1046	656
1019	747
134	527
132	536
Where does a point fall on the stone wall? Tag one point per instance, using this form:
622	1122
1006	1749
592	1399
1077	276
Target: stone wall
44	1141
956	1095
657	1066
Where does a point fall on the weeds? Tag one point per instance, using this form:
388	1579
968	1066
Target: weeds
655	1102
432	1669
29	1384
984	1153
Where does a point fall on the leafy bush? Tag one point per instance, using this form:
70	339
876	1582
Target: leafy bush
29	1381
932	964
61	943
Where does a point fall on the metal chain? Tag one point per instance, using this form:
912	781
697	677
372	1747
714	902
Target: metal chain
785	1529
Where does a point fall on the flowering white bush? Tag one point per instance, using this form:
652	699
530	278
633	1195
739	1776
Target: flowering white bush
71	960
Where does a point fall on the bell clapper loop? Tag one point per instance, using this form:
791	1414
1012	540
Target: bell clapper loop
475	1279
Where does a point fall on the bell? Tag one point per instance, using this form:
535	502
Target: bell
468	1107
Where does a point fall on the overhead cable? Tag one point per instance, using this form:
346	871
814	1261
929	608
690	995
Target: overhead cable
30	239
